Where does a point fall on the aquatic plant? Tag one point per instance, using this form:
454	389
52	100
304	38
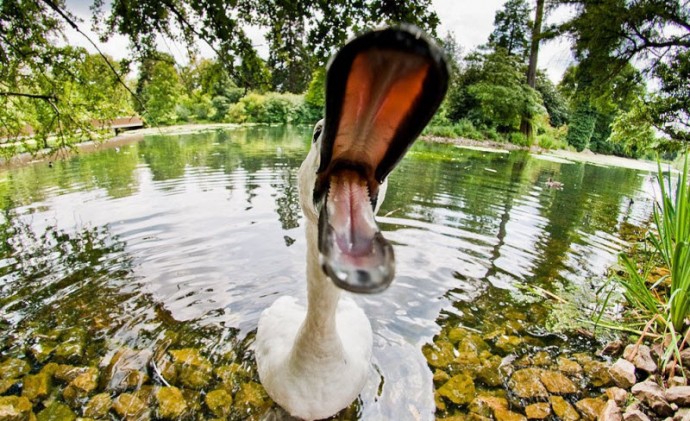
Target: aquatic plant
667	303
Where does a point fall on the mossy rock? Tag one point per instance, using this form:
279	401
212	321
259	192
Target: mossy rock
489	372
440	376
219	403
538	411
231	376
569	367
467	341
98	406
37	386
485	405
252	399
127	369
56	411
509	343
526	384
13	368
459	389
67	373
440	354
542	359
590	408
15	408
42	350
70	351
504	414
557	383
563	409
193	370
171	403
597	372
6	384
129	406
79	389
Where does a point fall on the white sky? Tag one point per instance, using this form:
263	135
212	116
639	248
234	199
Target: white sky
470	20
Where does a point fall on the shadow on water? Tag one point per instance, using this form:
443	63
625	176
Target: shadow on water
129	270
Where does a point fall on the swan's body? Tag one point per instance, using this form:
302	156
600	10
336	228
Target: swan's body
382	89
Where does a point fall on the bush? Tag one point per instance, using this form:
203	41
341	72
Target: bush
581	126
254	107
221	105
519	139
236	113
465	128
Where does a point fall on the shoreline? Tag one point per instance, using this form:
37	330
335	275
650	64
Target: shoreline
557	155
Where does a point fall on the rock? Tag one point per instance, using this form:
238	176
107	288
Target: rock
556	383
538	411
13	368
440	354
677	381
563	409
37	386
98	406
467	361
504	414
612	348
611	412
486	405
509	343
441	376
42	350
171	403
489	373
127	369
459	389
569	367
683	414
641	357
542	359
251	399
597	372
525	384
219	402
193	370
651	395
233	375
439	402
15	408
81	387
590	408
6	384
67	373
680	395
129	406
623	373
56	411
635	415
685	357
617	394
70	351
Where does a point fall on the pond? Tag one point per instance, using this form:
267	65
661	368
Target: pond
162	254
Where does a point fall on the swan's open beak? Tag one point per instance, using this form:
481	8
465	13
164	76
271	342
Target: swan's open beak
382	88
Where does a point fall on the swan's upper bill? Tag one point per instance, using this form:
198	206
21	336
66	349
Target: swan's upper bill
382	89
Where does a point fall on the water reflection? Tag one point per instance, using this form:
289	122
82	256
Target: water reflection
182	241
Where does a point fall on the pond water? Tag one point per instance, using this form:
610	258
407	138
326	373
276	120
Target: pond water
180	242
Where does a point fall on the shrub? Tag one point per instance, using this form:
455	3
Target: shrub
519	139
254	107
236	113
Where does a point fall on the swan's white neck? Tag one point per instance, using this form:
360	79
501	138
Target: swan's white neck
318	337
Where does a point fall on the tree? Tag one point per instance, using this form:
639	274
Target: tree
160	89
525	124
654	34
502	95
555	104
512	28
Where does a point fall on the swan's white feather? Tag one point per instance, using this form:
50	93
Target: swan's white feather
330	381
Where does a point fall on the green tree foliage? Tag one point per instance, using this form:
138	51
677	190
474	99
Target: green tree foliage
556	106
501	94
654	34
512	28
161	90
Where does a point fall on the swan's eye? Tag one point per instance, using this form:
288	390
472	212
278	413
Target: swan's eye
317	133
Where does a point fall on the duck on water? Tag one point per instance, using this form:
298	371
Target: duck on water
382	88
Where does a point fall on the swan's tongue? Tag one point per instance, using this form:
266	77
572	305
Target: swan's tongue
354	254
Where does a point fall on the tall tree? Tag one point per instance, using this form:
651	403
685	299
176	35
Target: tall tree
654	34
512	28
525	124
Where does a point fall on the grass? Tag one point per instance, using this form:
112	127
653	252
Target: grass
664	305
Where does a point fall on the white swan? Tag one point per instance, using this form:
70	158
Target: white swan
381	90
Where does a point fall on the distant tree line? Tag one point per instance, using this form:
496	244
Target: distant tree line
497	92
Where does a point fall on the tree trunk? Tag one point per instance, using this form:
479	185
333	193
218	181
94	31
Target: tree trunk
526	125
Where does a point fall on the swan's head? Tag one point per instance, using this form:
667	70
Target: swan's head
382	88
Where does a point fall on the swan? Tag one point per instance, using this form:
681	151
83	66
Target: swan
382	88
